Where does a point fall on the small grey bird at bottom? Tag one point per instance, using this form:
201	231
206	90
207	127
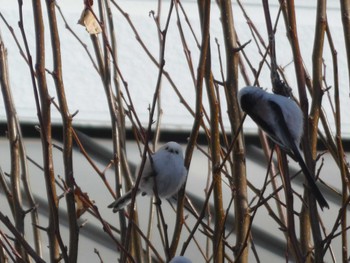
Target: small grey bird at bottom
180	259
282	120
166	169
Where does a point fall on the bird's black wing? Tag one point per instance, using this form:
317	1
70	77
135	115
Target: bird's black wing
266	127
292	147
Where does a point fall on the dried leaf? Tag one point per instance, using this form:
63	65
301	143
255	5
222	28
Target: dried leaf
82	201
88	20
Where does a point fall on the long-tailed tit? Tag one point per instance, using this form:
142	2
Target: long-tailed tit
282	120
180	259
166	168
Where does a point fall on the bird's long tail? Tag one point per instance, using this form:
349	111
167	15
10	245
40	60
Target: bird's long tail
123	201
311	181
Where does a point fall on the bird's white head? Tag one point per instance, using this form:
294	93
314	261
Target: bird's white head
172	147
180	259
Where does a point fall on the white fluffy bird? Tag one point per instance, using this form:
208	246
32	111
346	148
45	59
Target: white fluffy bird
166	168
282	120
180	259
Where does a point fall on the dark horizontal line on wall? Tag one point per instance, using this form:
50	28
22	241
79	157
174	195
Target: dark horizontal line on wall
31	131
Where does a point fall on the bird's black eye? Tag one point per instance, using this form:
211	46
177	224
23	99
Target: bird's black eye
176	151
167	148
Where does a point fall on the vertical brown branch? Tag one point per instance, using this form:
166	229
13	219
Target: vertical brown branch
103	60
119	100
218	248
67	132
298	63
13	136
238	167
159	103
44	115
272	47
345	15
29	194
292	238
198	115
13	120
317	93
119	139
317	76
340	150
300	75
